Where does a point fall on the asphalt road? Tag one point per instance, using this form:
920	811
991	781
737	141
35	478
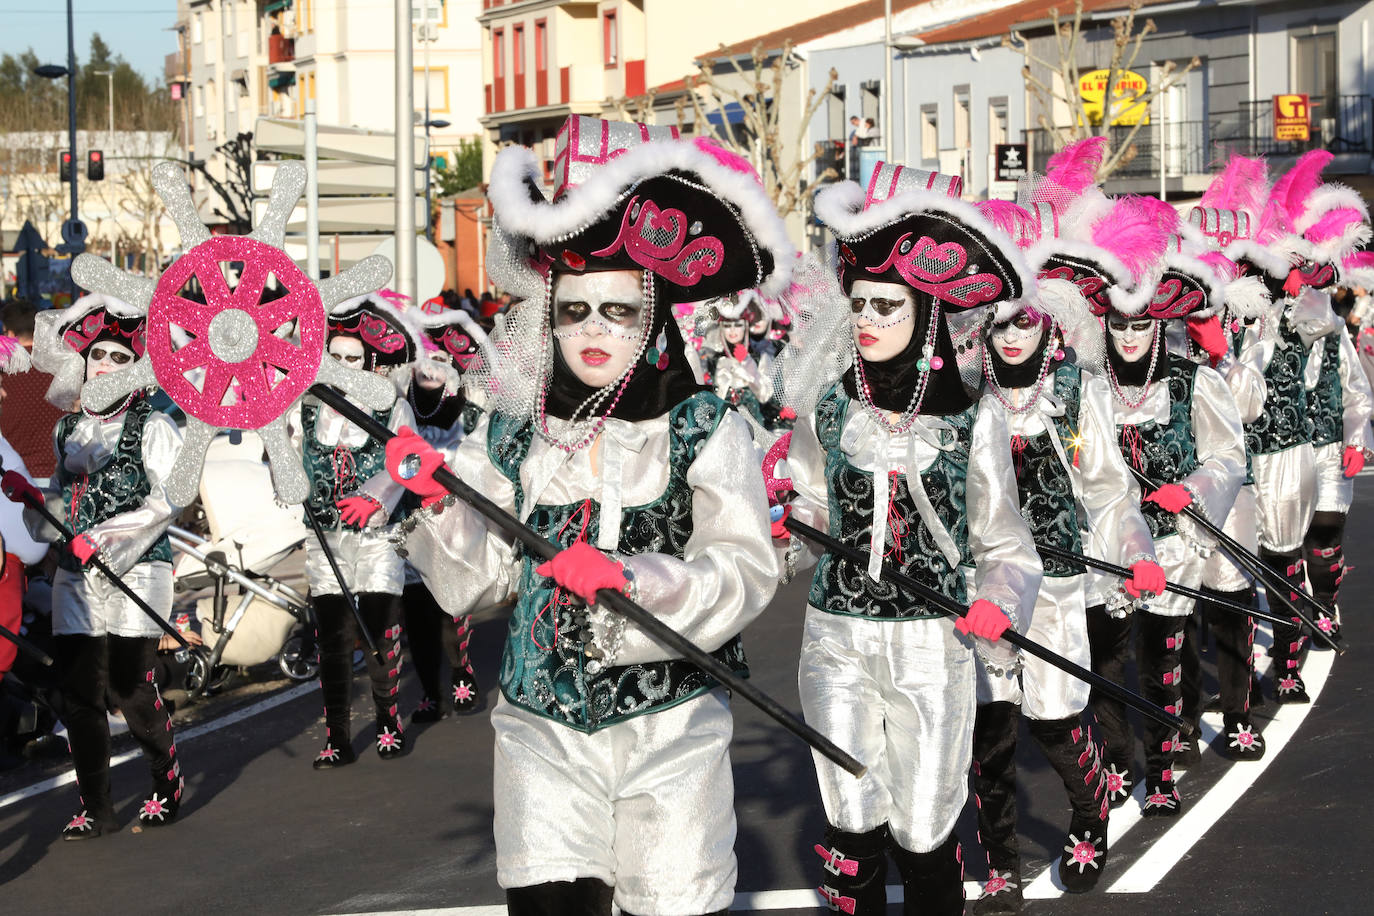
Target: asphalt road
261	832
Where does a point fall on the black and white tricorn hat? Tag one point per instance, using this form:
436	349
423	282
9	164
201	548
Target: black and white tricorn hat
62	336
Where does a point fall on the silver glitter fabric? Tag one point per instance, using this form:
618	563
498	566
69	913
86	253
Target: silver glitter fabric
367	560
645	805
88	604
586	144
1060	623
1286	491
1335	491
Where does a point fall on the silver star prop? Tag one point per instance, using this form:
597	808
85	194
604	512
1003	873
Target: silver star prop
233	336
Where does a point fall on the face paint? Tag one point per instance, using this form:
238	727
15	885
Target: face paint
347	350
1015	341
598	322
733	329
1131	337
883	316
431	371
105	357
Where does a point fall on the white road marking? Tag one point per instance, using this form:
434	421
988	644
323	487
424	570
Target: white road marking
182	737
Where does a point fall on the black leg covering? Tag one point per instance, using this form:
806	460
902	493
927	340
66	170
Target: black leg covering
1069	748
382	614
932	882
855	871
1190	660
1235	641
1158	655
994	784
84	663
424	624
1325	557
336	637
583	897
134	687
1289	641
1109	639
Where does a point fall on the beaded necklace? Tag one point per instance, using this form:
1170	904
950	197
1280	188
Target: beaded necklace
927	362
1149	375
997	389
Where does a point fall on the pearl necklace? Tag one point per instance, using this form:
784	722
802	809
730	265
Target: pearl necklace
997	389
1149	376
927	362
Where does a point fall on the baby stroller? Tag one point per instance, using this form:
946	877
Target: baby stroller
251	615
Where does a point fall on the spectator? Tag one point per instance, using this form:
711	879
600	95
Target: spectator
28	423
870	133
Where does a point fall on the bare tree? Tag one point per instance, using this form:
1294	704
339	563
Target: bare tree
235	191
1126	46
781	161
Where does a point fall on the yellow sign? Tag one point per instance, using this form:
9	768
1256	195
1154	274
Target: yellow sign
1292	118
1129	85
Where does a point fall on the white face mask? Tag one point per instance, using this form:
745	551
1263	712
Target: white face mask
348	351
733	329
1131	337
883	316
598	323
104	357
1016	340
431	370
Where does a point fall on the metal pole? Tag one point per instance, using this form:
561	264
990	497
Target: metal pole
71	104
424	37
110	75
405	153
312	192
1163	142
886	129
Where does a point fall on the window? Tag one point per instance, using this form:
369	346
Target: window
1314	66
197	30
541	45
498	53
930	133
997	122
963	138
517	50
610	39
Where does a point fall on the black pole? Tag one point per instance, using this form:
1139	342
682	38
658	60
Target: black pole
1185	591
660	631
26	647
347	593
952	608
1275	585
71	107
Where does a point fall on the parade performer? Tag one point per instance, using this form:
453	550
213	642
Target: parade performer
1334	221
730	366
1075	494
1177	424
895	454
357	504
612	772
109	487
444	414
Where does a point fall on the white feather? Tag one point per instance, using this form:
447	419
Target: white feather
1328	197
1247	297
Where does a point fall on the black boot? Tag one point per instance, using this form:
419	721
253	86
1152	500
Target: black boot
1186	750
855	871
1289	641
465	694
583	897
1325	557
1069	748
84	665
1159	656
336	637
1110	640
386	677
994	788
1239	739
134	687
424	622
932	882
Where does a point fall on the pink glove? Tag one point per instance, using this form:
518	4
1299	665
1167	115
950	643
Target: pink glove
1146	578
1172	497
84	547
740	353
1352	460
787	413
984	619
422	483
780	532
354	511
584	570
1207	334
18	488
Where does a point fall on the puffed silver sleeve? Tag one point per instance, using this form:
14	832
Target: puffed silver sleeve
380	486
1244	375
1007	569
127	536
1110	493
1357	400
728	571
811	505
40	529
464	563
1220	443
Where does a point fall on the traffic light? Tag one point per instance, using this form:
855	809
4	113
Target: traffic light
64	164
95	165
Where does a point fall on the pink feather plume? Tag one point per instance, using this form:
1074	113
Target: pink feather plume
1333	224
1075	166
1132	231
1297	184
1012	219
1225	268
1241	186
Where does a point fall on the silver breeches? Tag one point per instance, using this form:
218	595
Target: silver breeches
1285	492
1220	572
1059	622
367	559
88	604
645	805
899	696
1335	491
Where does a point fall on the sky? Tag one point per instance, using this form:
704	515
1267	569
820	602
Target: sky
132	28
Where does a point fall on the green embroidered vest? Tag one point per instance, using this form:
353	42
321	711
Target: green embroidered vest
1046	486
120	485
1168	453
543	667
336	471
1285	422
843	588
1326	402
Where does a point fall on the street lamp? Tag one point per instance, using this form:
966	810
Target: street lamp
73	231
